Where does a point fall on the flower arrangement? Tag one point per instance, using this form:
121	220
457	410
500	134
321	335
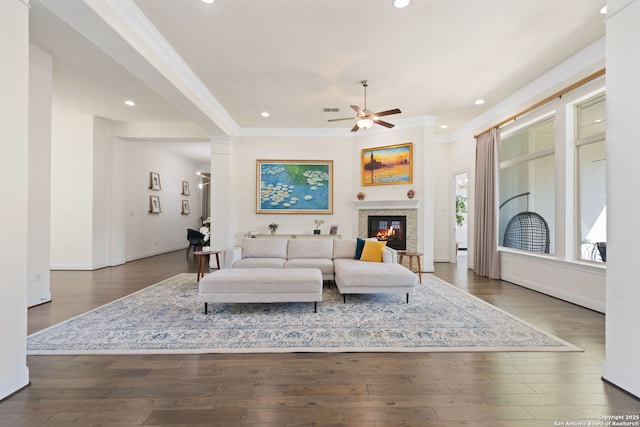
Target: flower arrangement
318	223
206	234
273	227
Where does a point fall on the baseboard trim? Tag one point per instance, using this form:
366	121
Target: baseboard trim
14	384
627	382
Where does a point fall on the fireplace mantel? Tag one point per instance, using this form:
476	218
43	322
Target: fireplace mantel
387	204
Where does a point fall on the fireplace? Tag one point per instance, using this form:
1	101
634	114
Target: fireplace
389	228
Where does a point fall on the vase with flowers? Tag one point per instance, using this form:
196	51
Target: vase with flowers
273	227
206	235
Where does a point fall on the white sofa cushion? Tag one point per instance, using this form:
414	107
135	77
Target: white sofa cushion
310	248
325	265
344	248
259	263
272	247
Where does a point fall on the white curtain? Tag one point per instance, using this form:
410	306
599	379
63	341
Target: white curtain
486	256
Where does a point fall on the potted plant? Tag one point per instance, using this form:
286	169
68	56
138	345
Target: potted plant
461	208
318	223
273	227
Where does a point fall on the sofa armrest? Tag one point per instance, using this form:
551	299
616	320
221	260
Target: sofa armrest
389	255
231	256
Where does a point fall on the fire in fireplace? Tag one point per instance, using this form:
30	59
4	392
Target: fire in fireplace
391	229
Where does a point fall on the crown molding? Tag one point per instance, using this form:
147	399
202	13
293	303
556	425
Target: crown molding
134	27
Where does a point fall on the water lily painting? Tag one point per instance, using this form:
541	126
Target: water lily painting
392	164
294	186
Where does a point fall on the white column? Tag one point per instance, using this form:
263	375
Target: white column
224	192
14	190
428	201
622	366
39	256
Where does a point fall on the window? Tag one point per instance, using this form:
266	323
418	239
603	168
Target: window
591	179
527	187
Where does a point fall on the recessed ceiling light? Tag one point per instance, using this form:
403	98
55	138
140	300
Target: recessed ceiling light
129	102
208	1
265	114
401	3
479	101
444	126
604	10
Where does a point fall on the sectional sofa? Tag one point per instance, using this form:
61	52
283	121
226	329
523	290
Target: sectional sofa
357	266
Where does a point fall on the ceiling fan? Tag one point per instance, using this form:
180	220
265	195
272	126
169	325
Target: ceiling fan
365	118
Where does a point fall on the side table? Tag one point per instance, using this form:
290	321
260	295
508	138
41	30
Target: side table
203	258
411	255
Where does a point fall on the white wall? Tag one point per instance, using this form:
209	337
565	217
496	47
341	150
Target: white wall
14	191
345	152
622	366
71	190
40	84
250	149
148	234
562	277
444	211
100	194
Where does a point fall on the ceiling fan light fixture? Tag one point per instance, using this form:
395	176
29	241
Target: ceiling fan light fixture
365	123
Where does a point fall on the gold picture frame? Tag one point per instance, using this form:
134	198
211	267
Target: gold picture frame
294	186
387	165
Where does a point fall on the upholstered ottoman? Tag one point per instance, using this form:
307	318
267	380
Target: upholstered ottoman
257	285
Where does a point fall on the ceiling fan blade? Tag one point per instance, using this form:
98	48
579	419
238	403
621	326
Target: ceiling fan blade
385	124
388	112
358	110
355	128
344	118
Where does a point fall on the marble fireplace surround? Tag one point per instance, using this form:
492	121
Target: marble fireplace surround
408	208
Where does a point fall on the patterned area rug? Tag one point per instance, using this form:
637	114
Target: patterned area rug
166	318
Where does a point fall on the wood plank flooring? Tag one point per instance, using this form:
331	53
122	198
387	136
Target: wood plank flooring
328	389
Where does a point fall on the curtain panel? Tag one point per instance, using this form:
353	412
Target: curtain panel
486	256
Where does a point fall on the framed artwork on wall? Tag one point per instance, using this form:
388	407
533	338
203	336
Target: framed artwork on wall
185	188
185	207
294	186
154	183
154	204
391	164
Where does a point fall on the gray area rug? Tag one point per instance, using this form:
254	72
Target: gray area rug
166	318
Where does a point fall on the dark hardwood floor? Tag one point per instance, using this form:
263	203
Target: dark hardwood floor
329	389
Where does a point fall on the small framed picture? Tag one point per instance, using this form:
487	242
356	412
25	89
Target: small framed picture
185	188
333	230
154	204
185	207
155	181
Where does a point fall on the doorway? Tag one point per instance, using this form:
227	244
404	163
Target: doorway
460	222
